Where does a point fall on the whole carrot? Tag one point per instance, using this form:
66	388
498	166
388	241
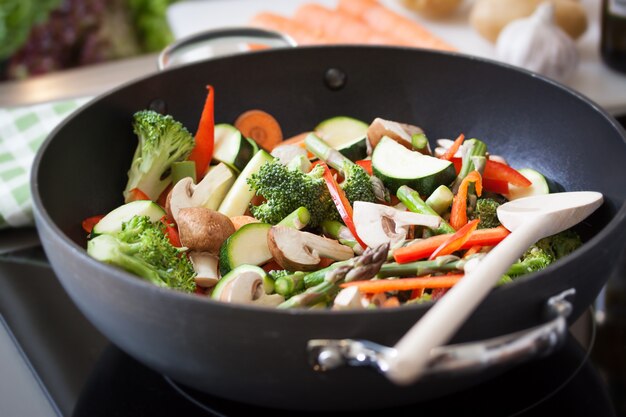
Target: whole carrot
300	34
385	20
342	26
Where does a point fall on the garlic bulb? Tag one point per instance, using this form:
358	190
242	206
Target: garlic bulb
537	44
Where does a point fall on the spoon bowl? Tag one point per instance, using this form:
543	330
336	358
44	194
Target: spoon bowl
529	219
565	210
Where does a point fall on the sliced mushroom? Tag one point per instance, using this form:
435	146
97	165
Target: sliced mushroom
207	193
247	288
377	224
400	132
205	265
301	251
202	229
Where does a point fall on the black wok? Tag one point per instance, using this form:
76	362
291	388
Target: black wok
259	355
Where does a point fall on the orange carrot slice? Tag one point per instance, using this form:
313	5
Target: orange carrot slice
260	126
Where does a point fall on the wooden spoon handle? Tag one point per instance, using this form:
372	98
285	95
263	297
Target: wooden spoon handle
442	321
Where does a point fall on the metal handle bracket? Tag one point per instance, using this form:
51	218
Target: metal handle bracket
539	341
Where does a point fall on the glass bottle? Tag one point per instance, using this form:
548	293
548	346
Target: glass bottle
613	37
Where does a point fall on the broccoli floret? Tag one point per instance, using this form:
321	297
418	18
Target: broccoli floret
357	183
534	259
142	248
565	243
286	190
486	211
545	252
162	141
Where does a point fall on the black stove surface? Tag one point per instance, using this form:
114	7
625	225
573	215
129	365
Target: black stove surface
85	375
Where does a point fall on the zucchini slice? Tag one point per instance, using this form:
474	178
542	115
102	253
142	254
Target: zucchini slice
223	282
231	147
239	196
396	165
112	222
539	185
247	246
345	134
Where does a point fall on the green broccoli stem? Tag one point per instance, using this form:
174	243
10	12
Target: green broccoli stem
338	231
412	200
415	269
362	267
326	153
297	219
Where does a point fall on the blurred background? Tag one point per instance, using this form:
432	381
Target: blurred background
41	36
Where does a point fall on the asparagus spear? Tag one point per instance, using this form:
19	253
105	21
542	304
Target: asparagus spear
359	268
412	200
297	219
415	269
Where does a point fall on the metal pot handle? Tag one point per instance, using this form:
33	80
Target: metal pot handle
539	341
220	42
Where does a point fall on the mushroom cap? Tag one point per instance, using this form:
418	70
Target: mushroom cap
300	251
179	197
400	132
202	229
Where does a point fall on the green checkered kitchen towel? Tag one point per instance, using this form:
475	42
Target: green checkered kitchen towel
22	130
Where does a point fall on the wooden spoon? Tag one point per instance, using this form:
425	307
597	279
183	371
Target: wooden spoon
529	219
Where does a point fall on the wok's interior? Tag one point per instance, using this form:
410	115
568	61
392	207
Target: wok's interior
531	122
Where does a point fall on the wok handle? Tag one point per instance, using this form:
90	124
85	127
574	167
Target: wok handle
220	42
518	347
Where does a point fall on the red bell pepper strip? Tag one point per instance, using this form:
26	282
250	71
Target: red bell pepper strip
202	153
454	242
423	248
366	164
171	232
136	194
495	186
503	172
498	171
458	215
452	150
90	222
341	202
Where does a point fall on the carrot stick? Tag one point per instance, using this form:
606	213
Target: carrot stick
458	215
202	153
296	140
402	284
454	148
472	251
454	242
301	35
342	26
384	20
423	248
261	126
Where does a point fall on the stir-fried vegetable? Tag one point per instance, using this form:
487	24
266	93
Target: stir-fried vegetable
319	230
